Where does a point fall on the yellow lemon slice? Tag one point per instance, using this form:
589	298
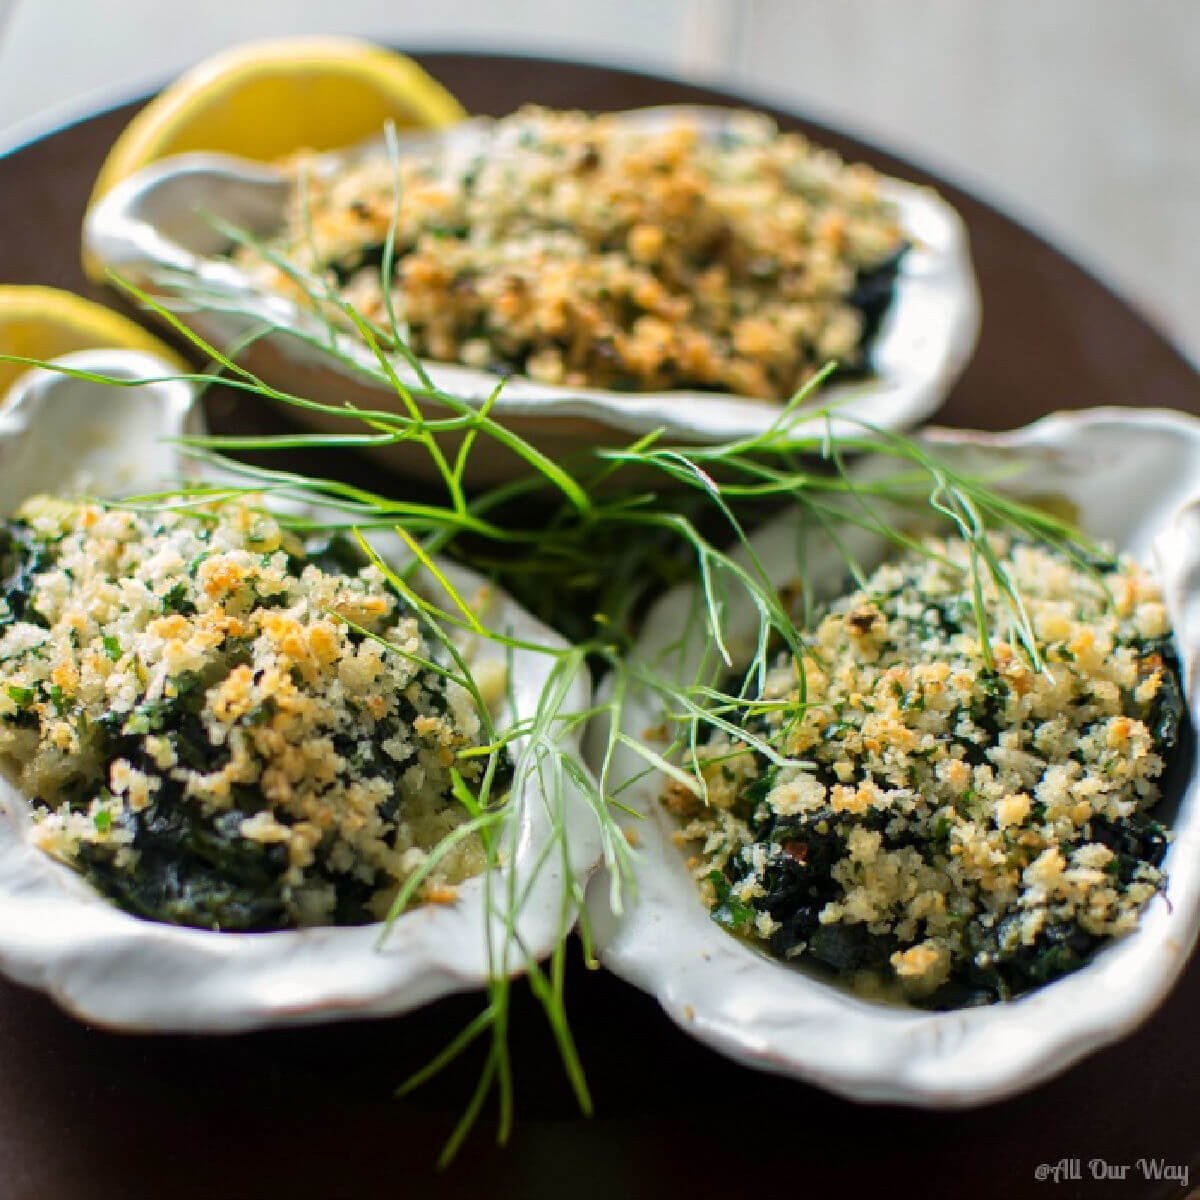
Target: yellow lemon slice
43	322
264	100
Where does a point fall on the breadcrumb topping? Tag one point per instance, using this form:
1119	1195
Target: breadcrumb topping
206	726
585	251
958	831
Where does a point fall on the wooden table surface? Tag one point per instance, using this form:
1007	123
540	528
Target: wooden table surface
309	1114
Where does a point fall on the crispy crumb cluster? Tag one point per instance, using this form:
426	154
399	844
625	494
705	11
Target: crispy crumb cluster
586	251
960	831
202	729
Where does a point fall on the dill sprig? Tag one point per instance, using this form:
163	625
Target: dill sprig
586	545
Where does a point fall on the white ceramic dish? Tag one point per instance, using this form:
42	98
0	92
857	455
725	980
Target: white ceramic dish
153	230
61	434
1136	479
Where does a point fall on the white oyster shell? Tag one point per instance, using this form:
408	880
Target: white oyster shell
155	229
65	434
1135	476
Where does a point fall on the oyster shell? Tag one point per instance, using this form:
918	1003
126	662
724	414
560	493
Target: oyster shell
65	434
1134	477
155	229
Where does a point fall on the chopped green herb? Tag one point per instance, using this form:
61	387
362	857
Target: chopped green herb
175	598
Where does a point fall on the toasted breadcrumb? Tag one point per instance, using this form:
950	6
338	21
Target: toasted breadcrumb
587	251
959	831
187	685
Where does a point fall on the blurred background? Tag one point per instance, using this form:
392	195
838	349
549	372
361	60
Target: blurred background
1078	117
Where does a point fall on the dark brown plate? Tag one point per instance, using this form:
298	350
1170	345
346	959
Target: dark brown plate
309	1115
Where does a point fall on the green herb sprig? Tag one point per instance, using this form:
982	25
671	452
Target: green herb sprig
609	532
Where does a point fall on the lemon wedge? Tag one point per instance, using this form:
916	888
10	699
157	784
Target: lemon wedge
43	322
265	100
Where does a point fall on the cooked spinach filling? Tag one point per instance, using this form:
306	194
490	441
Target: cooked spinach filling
208	729
964	828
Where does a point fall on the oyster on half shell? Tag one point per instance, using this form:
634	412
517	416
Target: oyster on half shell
1134	479
156	230
68	435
